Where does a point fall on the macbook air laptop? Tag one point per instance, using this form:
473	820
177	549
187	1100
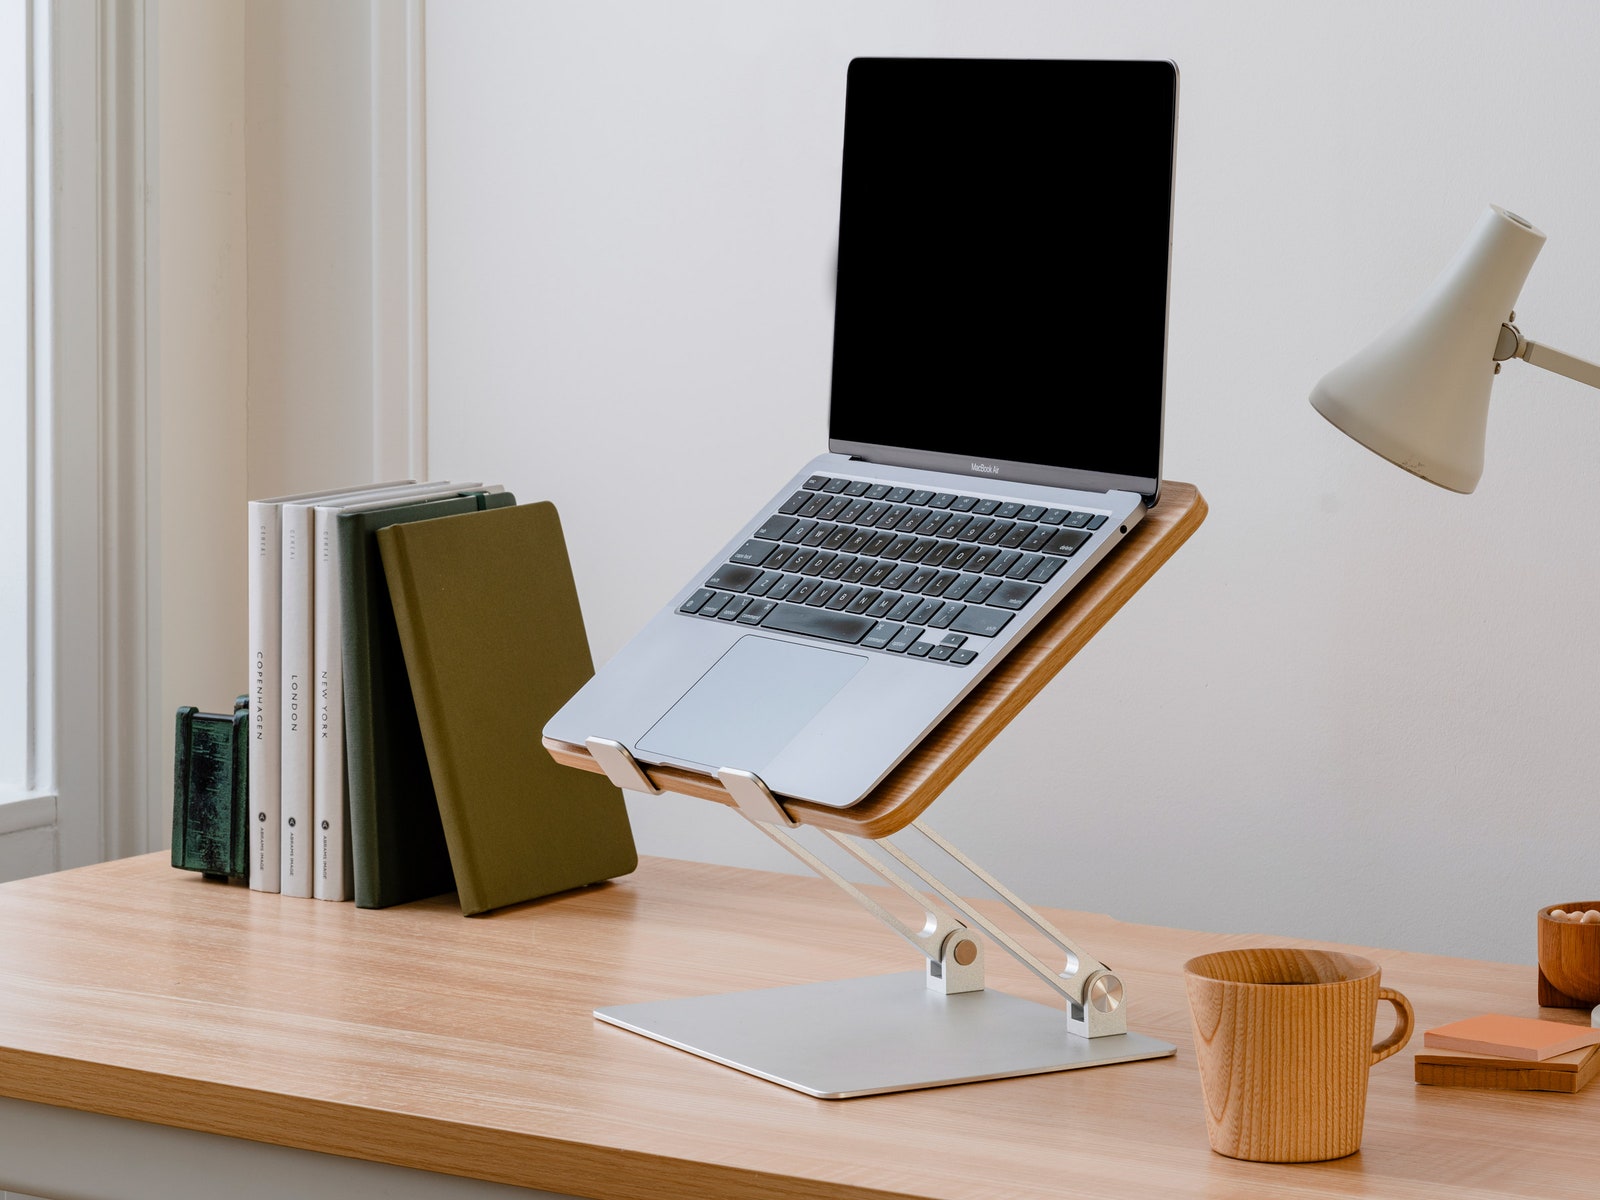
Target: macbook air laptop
995	428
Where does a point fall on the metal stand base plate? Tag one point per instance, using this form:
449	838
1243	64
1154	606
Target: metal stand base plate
881	1033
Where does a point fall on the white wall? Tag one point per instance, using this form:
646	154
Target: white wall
309	262
334	271
1353	707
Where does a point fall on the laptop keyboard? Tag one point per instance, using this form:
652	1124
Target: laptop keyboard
921	573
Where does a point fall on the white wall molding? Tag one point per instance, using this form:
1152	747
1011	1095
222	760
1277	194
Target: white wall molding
90	362
399	243
97	507
129	464
37	811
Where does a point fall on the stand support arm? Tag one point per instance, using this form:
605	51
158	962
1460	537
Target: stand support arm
955	963
1094	995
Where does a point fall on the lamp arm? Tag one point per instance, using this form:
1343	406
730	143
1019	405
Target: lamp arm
1513	345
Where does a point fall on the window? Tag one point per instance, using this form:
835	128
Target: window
29	842
64	84
15	394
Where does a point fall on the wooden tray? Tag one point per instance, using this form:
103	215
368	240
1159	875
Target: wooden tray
917	781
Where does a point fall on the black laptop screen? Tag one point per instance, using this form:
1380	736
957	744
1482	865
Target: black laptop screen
1004	244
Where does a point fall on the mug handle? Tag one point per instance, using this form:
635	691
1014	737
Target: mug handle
1404	1019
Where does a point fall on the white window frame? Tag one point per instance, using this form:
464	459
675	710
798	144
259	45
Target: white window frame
28	800
88	560
16	456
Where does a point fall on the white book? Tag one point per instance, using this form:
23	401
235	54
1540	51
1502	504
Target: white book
295	692
330	796
264	633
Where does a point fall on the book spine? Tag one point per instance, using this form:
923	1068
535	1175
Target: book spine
359	631
330	824
295	783
264	634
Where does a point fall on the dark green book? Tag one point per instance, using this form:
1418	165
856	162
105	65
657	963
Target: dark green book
398	851
494	642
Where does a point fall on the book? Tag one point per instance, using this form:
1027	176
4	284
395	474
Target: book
494	642
264	634
330	829
296	695
1527	1039
1569	1072
397	840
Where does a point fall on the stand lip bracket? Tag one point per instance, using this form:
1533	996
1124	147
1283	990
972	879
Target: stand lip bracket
753	798
619	765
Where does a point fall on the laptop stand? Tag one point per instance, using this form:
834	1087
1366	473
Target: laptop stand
940	1025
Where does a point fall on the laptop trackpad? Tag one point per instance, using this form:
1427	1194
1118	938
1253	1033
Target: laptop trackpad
750	704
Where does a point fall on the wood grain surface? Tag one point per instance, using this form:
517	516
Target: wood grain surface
1569	958
1284	1040
414	1035
1570	1072
924	773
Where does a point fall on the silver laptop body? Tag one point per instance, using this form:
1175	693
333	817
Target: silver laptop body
995	429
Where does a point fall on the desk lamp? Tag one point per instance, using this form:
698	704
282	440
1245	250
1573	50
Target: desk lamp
1418	395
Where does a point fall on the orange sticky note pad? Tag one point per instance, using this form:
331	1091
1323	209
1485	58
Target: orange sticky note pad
1526	1038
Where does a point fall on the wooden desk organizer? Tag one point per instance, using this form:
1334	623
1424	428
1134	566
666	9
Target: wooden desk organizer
1569	958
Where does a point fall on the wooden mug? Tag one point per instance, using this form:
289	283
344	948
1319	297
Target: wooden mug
1283	1039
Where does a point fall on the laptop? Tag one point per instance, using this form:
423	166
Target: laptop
994	429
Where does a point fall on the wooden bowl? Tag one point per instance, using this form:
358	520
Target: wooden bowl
1569	959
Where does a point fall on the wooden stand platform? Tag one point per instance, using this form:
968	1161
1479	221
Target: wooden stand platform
1002	694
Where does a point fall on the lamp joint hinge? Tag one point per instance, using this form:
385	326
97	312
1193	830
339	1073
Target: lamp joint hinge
1511	343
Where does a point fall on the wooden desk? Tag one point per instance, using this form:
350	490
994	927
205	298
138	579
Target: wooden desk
415	1036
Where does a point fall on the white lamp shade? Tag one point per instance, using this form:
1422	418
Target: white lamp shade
1419	394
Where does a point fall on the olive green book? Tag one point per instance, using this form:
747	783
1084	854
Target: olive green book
494	643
